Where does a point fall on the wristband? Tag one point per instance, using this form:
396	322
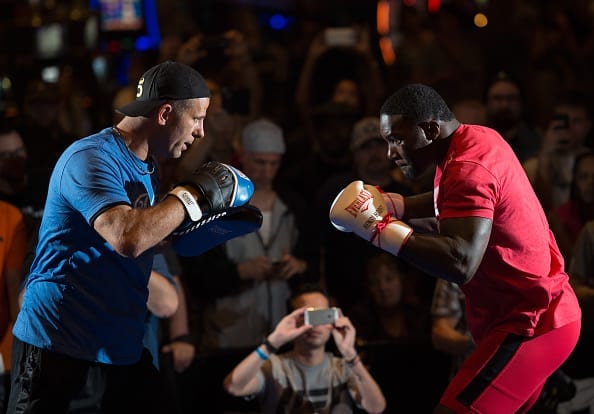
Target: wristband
269	347
189	202
261	354
187	338
353	361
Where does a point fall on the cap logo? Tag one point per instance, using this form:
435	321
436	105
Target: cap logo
139	88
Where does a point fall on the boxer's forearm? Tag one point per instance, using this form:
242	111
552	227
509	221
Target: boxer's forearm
419	206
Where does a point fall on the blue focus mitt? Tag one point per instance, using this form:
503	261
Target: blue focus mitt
214	228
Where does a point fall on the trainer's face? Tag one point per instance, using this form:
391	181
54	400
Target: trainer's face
406	142
186	126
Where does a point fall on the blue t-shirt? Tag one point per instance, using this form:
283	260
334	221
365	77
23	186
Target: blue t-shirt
83	299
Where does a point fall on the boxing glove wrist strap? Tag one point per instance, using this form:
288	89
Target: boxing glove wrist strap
391	234
188	201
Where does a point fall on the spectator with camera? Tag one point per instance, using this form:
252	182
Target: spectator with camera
550	171
361	89
308	379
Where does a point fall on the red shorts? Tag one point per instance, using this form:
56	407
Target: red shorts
505	374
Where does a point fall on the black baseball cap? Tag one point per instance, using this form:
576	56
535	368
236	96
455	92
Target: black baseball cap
167	81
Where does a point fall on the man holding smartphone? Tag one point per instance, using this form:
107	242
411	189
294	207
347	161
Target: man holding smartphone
551	170
308	379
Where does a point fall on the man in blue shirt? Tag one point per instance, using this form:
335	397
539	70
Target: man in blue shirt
86	294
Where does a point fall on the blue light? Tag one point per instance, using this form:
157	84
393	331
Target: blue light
144	43
277	22
152	26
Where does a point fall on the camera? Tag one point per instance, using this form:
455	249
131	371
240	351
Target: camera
313	316
340	36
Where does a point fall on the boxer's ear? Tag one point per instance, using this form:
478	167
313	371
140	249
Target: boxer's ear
432	130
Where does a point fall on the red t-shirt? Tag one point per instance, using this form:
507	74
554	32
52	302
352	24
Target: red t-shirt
520	286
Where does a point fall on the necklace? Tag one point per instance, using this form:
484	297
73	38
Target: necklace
143	167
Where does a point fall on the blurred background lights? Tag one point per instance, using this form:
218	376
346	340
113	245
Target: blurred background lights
278	22
480	20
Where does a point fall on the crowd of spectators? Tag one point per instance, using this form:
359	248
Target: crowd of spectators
528	75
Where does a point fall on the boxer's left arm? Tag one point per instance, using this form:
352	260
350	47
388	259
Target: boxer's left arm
454	254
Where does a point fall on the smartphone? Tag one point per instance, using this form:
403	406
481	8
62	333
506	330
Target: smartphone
313	316
340	36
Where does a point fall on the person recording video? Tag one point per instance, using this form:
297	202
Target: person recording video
293	381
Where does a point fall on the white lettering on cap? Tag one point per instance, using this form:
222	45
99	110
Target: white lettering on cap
139	88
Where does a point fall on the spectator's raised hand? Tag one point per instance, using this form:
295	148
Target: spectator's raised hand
289	328
344	334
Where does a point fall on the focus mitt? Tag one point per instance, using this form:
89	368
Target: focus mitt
214	228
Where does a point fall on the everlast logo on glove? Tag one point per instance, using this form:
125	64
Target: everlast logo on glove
356	206
362	210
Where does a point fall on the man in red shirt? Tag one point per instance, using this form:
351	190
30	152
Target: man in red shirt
492	239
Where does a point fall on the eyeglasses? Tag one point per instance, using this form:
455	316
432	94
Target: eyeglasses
17	153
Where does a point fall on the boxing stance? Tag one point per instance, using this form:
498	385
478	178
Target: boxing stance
492	239
86	293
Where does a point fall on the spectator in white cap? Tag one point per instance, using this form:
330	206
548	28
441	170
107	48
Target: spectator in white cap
245	296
